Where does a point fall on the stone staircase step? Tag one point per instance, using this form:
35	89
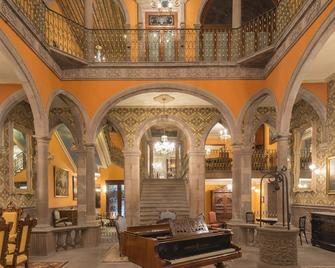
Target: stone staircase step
162	195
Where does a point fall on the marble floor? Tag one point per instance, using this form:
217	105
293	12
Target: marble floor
92	258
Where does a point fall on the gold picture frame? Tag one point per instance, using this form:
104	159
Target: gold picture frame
330	175
61	182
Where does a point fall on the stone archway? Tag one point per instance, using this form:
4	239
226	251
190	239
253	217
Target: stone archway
163	87
28	85
6	106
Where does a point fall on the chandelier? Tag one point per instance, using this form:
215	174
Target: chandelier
165	4
224	135
164	146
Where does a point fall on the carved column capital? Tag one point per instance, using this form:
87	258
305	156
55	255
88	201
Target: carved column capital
42	140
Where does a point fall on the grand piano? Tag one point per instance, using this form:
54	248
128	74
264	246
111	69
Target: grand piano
179	243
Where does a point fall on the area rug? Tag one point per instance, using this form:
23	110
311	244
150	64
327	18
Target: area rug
113	255
49	264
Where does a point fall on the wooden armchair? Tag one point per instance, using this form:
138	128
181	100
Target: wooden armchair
4	235
18	254
12	215
58	221
121	226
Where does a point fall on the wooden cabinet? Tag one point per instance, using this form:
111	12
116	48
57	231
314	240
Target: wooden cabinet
222	204
71	214
323	230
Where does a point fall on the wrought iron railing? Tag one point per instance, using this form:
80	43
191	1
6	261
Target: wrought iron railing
264	160
261	160
158	45
219	159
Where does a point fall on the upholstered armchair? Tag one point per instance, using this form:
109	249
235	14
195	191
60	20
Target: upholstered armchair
4	235
212	221
12	215
18	253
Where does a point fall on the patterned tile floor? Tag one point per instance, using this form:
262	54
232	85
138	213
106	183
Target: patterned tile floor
92	257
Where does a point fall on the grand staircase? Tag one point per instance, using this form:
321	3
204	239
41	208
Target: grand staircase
161	195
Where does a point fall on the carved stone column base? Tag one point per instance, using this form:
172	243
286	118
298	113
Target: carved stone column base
278	247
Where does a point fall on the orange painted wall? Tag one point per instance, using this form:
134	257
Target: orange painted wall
60	160
318	89
235	93
279	78
8	89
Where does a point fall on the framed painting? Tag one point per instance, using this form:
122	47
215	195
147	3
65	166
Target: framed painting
75	187
61	179
331	175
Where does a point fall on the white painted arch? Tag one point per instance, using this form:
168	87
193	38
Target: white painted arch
161	87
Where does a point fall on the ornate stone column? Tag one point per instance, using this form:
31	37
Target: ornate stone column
41	188
282	160
90	182
237	14
196	182
241	173
81	175
132	186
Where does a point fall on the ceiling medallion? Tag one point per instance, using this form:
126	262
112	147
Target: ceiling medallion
164	98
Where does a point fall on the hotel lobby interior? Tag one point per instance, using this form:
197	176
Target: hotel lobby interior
167	133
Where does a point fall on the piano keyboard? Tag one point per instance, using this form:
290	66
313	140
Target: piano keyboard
226	251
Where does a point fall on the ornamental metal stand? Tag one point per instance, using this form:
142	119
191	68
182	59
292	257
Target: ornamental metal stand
277	178
278	244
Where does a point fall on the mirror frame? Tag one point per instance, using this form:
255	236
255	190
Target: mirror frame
28	134
297	138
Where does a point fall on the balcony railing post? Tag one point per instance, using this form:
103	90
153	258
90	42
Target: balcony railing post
181	47
90	45
197	29
127	36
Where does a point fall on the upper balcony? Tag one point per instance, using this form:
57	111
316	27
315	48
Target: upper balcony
72	45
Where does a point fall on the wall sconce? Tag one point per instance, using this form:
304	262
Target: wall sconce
104	189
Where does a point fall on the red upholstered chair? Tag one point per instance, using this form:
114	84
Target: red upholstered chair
213	223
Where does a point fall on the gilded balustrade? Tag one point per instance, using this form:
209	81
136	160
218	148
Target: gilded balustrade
158	45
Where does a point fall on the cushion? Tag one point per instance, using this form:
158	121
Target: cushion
11	248
11	217
20	259
12	238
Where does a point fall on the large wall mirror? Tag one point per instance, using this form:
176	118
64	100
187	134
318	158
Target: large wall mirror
304	143
20	141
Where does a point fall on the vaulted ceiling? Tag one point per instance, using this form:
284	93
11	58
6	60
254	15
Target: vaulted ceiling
107	14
